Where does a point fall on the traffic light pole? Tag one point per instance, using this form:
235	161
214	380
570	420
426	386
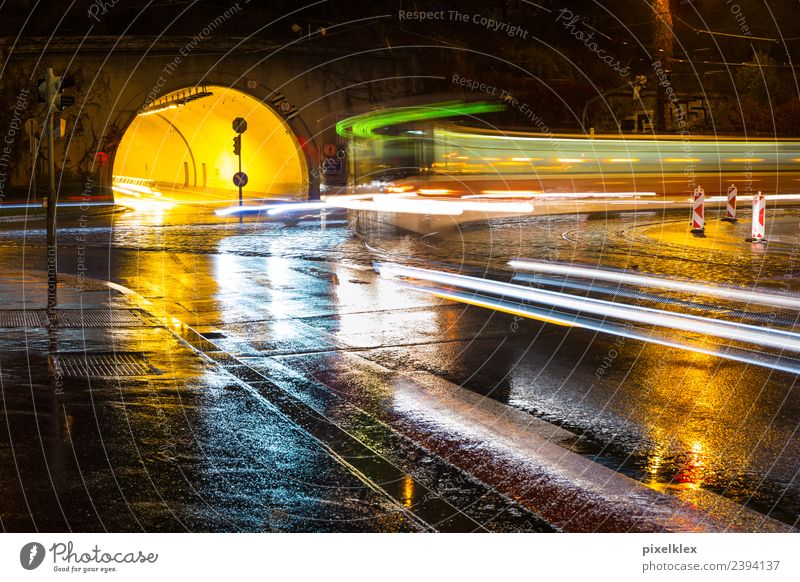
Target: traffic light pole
241	218
239	179
52	256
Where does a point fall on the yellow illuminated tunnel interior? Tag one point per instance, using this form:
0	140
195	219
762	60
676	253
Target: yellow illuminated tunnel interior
181	154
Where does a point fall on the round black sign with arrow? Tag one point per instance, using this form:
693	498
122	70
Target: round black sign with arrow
240	179
240	125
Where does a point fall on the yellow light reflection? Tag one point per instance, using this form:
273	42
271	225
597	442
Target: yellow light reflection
434	191
489	305
408	491
399	189
685	450
692	473
653	465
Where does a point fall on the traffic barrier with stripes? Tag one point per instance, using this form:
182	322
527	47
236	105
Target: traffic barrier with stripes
759	219
730	210
698	213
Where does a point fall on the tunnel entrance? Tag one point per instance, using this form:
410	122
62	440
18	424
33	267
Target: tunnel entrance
180	150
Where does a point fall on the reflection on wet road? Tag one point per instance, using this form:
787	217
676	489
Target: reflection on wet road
302	307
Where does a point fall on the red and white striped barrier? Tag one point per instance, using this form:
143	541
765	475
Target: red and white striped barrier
759	219
730	210
698	213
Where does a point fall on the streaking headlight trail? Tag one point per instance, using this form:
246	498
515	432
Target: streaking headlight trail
756	358
601	309
387	203
759	296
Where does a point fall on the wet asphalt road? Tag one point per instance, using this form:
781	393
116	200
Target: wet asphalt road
288	298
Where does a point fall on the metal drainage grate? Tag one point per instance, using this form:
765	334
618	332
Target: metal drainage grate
103	318
22	319
81	365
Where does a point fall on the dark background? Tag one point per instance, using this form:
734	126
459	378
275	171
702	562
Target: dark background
747	82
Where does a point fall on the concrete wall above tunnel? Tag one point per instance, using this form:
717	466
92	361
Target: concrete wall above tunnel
187	151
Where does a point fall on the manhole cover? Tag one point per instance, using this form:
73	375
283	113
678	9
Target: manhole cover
82	365
104	318
23	319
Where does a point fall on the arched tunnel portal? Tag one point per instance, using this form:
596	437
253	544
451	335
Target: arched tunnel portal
181	150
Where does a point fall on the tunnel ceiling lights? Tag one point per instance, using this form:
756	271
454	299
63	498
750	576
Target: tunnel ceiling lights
175	100
364	125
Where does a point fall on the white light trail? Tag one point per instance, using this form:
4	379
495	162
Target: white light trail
402	206
141	188
145	204
410	203
522	207
759	296
594	195
504	194
643	315
554	195
757	359
775	197
302	206
241	209
338	197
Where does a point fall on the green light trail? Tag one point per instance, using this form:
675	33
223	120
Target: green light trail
364	125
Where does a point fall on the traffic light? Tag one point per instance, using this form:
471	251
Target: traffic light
237	145
63	101
51	90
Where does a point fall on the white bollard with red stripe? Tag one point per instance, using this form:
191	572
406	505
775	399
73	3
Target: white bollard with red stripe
759	219
730	210
698	212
